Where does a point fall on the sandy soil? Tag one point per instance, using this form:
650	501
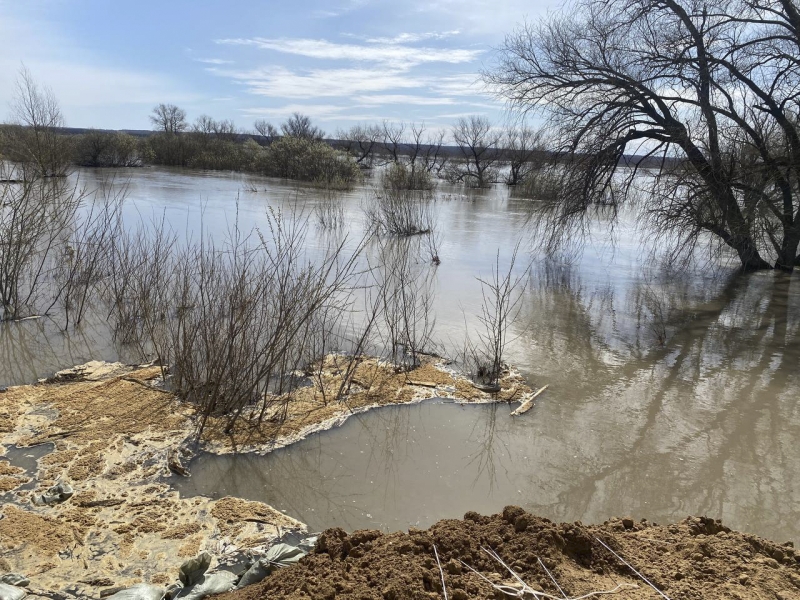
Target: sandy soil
694	559
116	436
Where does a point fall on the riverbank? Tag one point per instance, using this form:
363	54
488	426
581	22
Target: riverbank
694	559
116	437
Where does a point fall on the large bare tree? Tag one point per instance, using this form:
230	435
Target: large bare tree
362	141
477	142
34	141
266	130
300	126
704	91
168	118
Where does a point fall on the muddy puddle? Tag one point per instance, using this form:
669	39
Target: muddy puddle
25	458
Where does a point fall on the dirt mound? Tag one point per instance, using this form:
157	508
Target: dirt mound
696	558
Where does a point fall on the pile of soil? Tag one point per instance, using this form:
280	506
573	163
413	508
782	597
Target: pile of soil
696	558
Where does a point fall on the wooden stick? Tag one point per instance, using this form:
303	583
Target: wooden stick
528	404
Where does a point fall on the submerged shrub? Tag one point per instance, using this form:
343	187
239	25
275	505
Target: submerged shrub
108	149
401	212
309	160
398	176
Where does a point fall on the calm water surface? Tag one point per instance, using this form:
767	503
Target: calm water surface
670	393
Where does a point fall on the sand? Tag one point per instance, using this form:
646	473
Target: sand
117	438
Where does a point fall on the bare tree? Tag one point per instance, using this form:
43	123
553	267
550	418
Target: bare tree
522	145
393	140
169	118
434	159
477	142
203	128
266	130
226	130
300	126
33	141
362	141
695	88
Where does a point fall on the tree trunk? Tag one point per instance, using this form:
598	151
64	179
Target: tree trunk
788	258
748	254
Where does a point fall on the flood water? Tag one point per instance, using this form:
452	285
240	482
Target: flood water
670	393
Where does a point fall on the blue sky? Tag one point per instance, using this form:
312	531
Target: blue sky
341	61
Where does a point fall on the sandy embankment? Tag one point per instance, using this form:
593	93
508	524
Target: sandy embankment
115	433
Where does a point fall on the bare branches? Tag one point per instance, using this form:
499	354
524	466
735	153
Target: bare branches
477	142
300	126
168	118
36	218
699	85
33	141
501	295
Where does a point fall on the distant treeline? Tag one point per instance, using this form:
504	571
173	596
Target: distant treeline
482	154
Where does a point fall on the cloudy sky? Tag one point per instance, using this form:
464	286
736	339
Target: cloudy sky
339	61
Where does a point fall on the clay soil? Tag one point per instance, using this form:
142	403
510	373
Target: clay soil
695	559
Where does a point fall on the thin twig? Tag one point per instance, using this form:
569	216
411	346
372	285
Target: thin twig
623	561
441	573
526	589
550	575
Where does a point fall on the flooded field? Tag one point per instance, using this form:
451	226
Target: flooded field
670	393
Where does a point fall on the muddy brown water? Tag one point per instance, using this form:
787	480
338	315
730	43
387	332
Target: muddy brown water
671	393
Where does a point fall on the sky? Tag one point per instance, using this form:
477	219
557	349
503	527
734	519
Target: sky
341	62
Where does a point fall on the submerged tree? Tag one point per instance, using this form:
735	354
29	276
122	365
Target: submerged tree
477	142
704	91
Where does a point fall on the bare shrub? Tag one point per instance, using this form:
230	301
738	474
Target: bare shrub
483	356
33	139
107	149
329	209
406	287
141	268
401	212
86	252
398	176
239	322
36	217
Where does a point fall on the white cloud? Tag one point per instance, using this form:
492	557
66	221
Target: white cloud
397	55
280	82
379	99
412	38
339	10
214	61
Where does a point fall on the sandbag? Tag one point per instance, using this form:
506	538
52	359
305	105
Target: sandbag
192	571
210	584
279	555
140	591
10	592
308	544
60	492
15	579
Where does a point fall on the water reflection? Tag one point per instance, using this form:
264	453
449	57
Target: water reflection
670	392
706	423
